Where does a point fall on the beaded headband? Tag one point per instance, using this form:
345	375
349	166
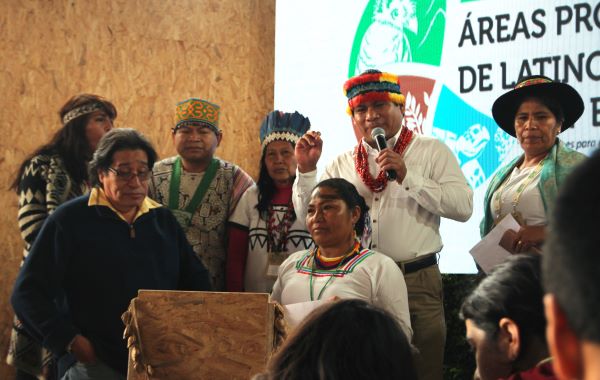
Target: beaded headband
372	85
80	111
283	126
196	110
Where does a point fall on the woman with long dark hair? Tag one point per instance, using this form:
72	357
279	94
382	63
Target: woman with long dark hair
264	230
53	174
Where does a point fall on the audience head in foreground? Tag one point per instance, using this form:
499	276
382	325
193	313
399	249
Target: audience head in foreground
348	339
504	318
571	272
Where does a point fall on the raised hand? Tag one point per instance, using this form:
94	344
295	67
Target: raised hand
308	151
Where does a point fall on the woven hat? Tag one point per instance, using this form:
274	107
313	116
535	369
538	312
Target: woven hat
372	85
506	106
196	110
283	126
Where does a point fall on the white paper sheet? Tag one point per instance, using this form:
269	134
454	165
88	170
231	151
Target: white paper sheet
488	252
296	312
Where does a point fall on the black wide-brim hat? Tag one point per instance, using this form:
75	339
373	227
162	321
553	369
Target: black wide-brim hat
506	106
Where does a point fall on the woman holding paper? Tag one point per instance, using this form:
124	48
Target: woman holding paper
534	112
339	266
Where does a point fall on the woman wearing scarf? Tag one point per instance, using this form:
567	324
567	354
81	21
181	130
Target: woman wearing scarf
534	112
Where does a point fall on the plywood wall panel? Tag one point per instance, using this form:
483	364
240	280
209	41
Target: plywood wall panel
144	55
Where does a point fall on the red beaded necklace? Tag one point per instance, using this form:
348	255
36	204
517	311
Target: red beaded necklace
361	162
277	235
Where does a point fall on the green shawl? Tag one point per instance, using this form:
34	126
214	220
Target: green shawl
559	163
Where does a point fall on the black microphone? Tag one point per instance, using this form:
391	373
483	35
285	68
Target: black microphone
378	134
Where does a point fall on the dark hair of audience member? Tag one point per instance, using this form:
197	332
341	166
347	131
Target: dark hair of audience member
347	339
350	196
512	290
116	140
571	264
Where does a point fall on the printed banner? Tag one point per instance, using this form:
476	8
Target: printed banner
455	58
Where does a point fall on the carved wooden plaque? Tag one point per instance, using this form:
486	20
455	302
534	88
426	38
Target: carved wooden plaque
199	335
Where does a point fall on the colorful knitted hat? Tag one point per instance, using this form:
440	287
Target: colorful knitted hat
506	106
283	126
196	110
372	85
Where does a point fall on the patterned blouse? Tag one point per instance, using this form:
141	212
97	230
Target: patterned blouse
44	185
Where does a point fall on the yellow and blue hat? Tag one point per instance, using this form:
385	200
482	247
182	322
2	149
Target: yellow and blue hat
197	111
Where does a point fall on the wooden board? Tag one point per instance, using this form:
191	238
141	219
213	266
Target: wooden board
202	335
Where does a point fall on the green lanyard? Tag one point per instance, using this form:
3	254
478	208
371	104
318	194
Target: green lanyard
355	249
209	175
312	297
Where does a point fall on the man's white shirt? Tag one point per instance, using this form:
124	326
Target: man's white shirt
405	218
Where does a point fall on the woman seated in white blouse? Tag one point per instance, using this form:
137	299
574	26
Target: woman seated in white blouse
338	266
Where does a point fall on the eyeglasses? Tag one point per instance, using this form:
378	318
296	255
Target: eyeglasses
142	175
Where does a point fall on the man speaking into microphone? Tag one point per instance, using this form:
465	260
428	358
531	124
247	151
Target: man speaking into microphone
409	181
378	134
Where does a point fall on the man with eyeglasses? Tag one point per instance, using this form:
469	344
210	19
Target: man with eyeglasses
200	189
92	256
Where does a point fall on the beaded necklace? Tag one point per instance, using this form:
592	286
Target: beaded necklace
277	235
497	201
361	162
355	249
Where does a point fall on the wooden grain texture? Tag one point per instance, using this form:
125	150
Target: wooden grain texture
202	335
144	56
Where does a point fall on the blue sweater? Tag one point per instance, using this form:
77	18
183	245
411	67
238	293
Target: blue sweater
85	267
